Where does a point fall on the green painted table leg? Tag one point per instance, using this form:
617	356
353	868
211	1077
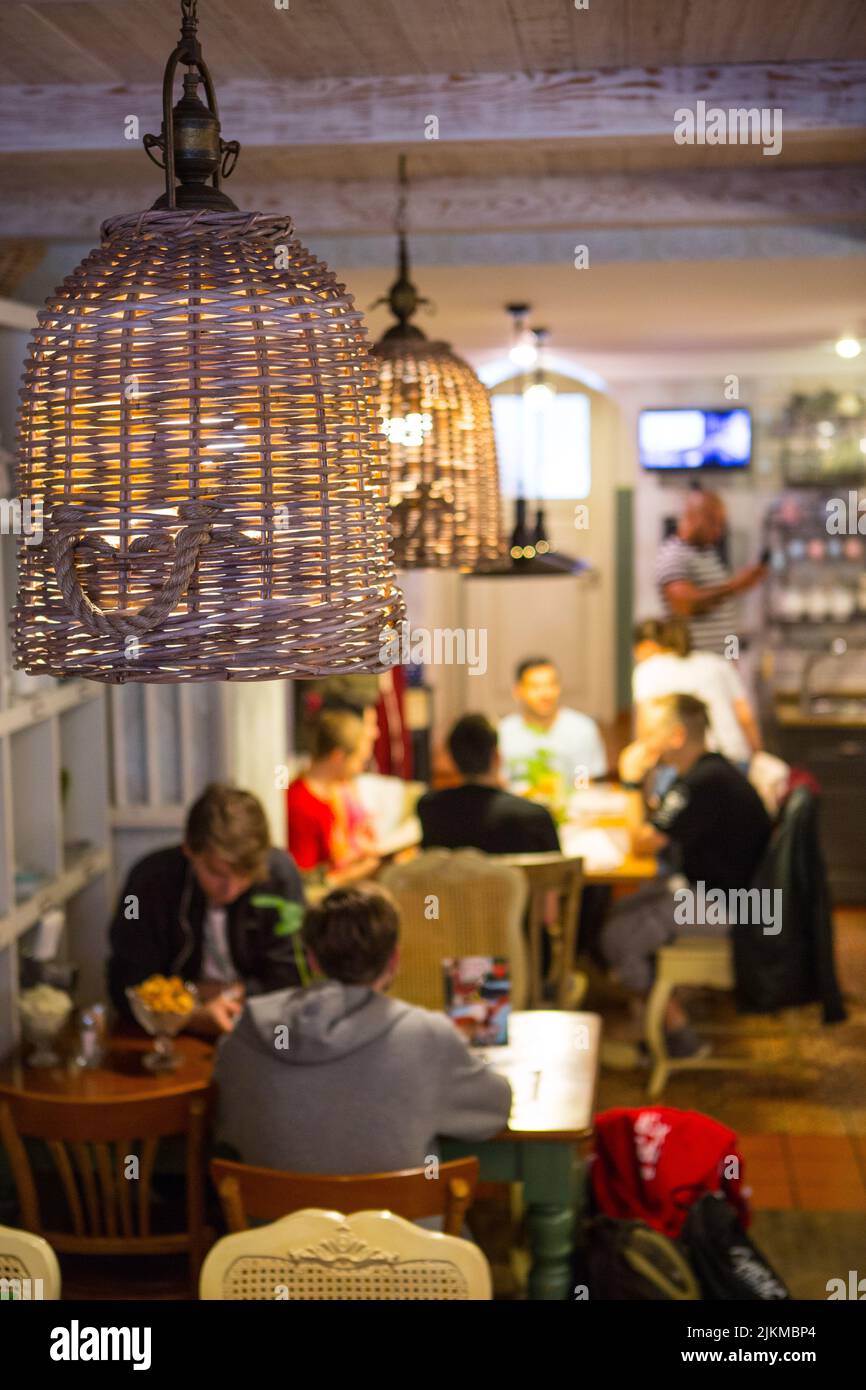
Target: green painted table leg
552	1184
553	1178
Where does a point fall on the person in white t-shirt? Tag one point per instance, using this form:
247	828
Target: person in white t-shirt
546	750
665	664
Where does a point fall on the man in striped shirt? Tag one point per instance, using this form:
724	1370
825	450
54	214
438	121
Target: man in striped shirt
693	581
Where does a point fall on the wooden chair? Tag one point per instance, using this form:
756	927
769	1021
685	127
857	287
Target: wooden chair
456	903
707	961
28	1266
109	1203
324	1255
555	892
263	1194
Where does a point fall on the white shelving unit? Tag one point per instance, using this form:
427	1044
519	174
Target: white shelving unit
169	741
54	826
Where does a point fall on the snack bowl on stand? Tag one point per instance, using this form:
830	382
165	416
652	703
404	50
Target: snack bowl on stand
163	1008
44	1011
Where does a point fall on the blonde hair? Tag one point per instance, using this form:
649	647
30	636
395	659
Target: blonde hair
337	729
671	634
675	636
669	710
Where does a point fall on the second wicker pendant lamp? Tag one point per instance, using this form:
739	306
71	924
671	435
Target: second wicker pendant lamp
436	415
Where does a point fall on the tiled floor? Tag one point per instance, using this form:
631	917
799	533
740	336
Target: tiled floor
805	1172
803	1133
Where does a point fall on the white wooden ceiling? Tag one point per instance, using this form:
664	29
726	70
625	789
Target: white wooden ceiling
127	40
556	126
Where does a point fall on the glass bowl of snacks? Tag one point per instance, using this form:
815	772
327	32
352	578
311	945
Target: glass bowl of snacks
163	1006
44	1010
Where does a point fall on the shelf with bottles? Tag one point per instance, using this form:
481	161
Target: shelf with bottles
816	575
822	439
60	940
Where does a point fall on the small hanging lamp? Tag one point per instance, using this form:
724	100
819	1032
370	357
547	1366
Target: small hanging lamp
199	419
539	394
435	412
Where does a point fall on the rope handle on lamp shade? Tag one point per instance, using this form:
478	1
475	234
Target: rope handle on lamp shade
122	622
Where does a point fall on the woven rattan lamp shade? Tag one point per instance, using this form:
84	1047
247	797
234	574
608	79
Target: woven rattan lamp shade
199	421
444	484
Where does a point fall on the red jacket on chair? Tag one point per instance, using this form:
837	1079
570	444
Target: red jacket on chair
651	1163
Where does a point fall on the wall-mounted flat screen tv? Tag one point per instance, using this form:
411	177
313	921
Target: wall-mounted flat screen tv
685	438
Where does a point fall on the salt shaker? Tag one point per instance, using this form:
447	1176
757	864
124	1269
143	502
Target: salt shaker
91	1036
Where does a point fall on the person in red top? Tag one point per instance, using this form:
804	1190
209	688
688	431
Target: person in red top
330	833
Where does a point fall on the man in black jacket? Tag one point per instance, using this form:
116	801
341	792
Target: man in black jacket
223	910
713	825
480	814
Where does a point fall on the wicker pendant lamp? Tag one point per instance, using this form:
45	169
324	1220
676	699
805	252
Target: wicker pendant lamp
436	415
199	419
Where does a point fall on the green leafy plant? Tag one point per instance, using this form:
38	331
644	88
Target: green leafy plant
289	918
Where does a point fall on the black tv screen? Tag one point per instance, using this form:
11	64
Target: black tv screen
686	438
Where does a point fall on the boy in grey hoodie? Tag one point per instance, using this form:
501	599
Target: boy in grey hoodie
338	1078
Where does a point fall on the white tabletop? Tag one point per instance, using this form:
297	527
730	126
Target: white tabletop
551	1060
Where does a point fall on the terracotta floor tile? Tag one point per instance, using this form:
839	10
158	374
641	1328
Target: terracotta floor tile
818	1169
767	1197
833	1149
821	1148
761	1146
831	1197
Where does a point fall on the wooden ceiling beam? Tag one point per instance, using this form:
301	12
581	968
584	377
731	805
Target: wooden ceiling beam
616	103
702	197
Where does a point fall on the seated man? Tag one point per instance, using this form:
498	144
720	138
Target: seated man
713	823
547	750
213	910
338	1078
479	814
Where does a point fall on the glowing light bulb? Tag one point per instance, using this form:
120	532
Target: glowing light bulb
848	347
539	395
408	430
524	352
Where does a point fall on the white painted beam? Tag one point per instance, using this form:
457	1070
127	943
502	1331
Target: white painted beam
615	103
607	246
15	315
702	197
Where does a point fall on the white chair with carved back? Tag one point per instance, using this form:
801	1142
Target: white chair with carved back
371	1256
28	1266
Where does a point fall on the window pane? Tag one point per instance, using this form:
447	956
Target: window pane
544	451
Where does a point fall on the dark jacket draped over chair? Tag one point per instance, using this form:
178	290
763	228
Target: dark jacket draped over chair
794	966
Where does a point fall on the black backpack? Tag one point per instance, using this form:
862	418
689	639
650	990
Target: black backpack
629	1260
728	1265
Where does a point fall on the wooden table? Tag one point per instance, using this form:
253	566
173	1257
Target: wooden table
122	1076
552	1063
635	868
